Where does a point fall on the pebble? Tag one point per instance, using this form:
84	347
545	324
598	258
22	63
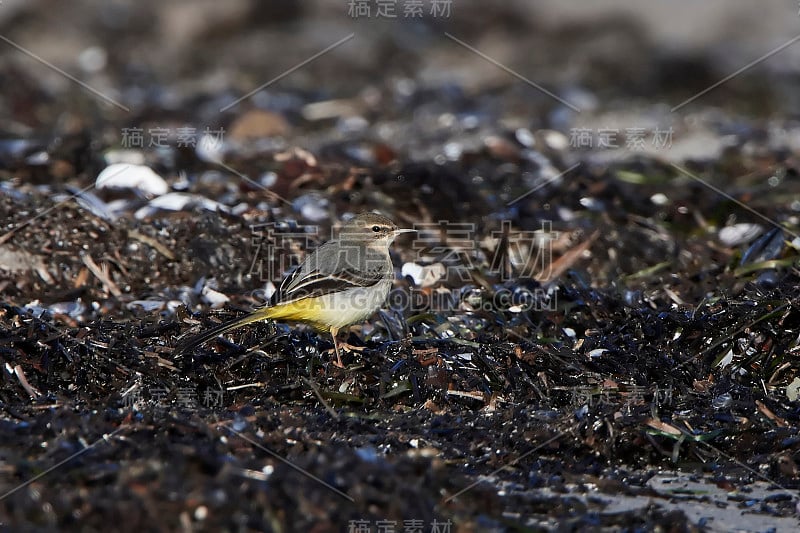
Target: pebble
210	148
257	124
136	177
147	305
93	59
268	179
793	390
312	206
739	233
424	276
213	297
178	201
131	157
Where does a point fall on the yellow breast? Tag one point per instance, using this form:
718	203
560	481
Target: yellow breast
337	309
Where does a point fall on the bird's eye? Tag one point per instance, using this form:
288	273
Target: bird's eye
376	229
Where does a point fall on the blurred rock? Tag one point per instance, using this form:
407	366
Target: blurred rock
257	124
136	177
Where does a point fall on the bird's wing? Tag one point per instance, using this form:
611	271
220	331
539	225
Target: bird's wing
326	270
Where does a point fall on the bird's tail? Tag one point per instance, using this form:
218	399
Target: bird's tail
193	342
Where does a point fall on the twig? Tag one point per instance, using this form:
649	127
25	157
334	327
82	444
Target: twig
153	243
245	386
107	282
314	388
30	389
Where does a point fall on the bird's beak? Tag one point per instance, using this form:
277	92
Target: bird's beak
399	231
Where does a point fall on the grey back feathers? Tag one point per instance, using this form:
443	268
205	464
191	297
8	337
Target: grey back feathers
358	257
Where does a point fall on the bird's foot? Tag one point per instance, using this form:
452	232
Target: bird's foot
351	348
348	347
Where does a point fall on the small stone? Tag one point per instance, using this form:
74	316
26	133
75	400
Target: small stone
136	177
739	233
258	124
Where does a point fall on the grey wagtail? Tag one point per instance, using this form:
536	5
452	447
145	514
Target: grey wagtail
342	283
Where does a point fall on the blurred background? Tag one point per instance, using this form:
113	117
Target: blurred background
187	59
503	99
426	109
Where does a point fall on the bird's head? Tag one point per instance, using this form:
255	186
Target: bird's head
370	229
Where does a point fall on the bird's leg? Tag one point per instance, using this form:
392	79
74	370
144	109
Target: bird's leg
338	362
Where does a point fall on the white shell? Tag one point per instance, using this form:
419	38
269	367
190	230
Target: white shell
177	201
424	276
138	177
740	233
